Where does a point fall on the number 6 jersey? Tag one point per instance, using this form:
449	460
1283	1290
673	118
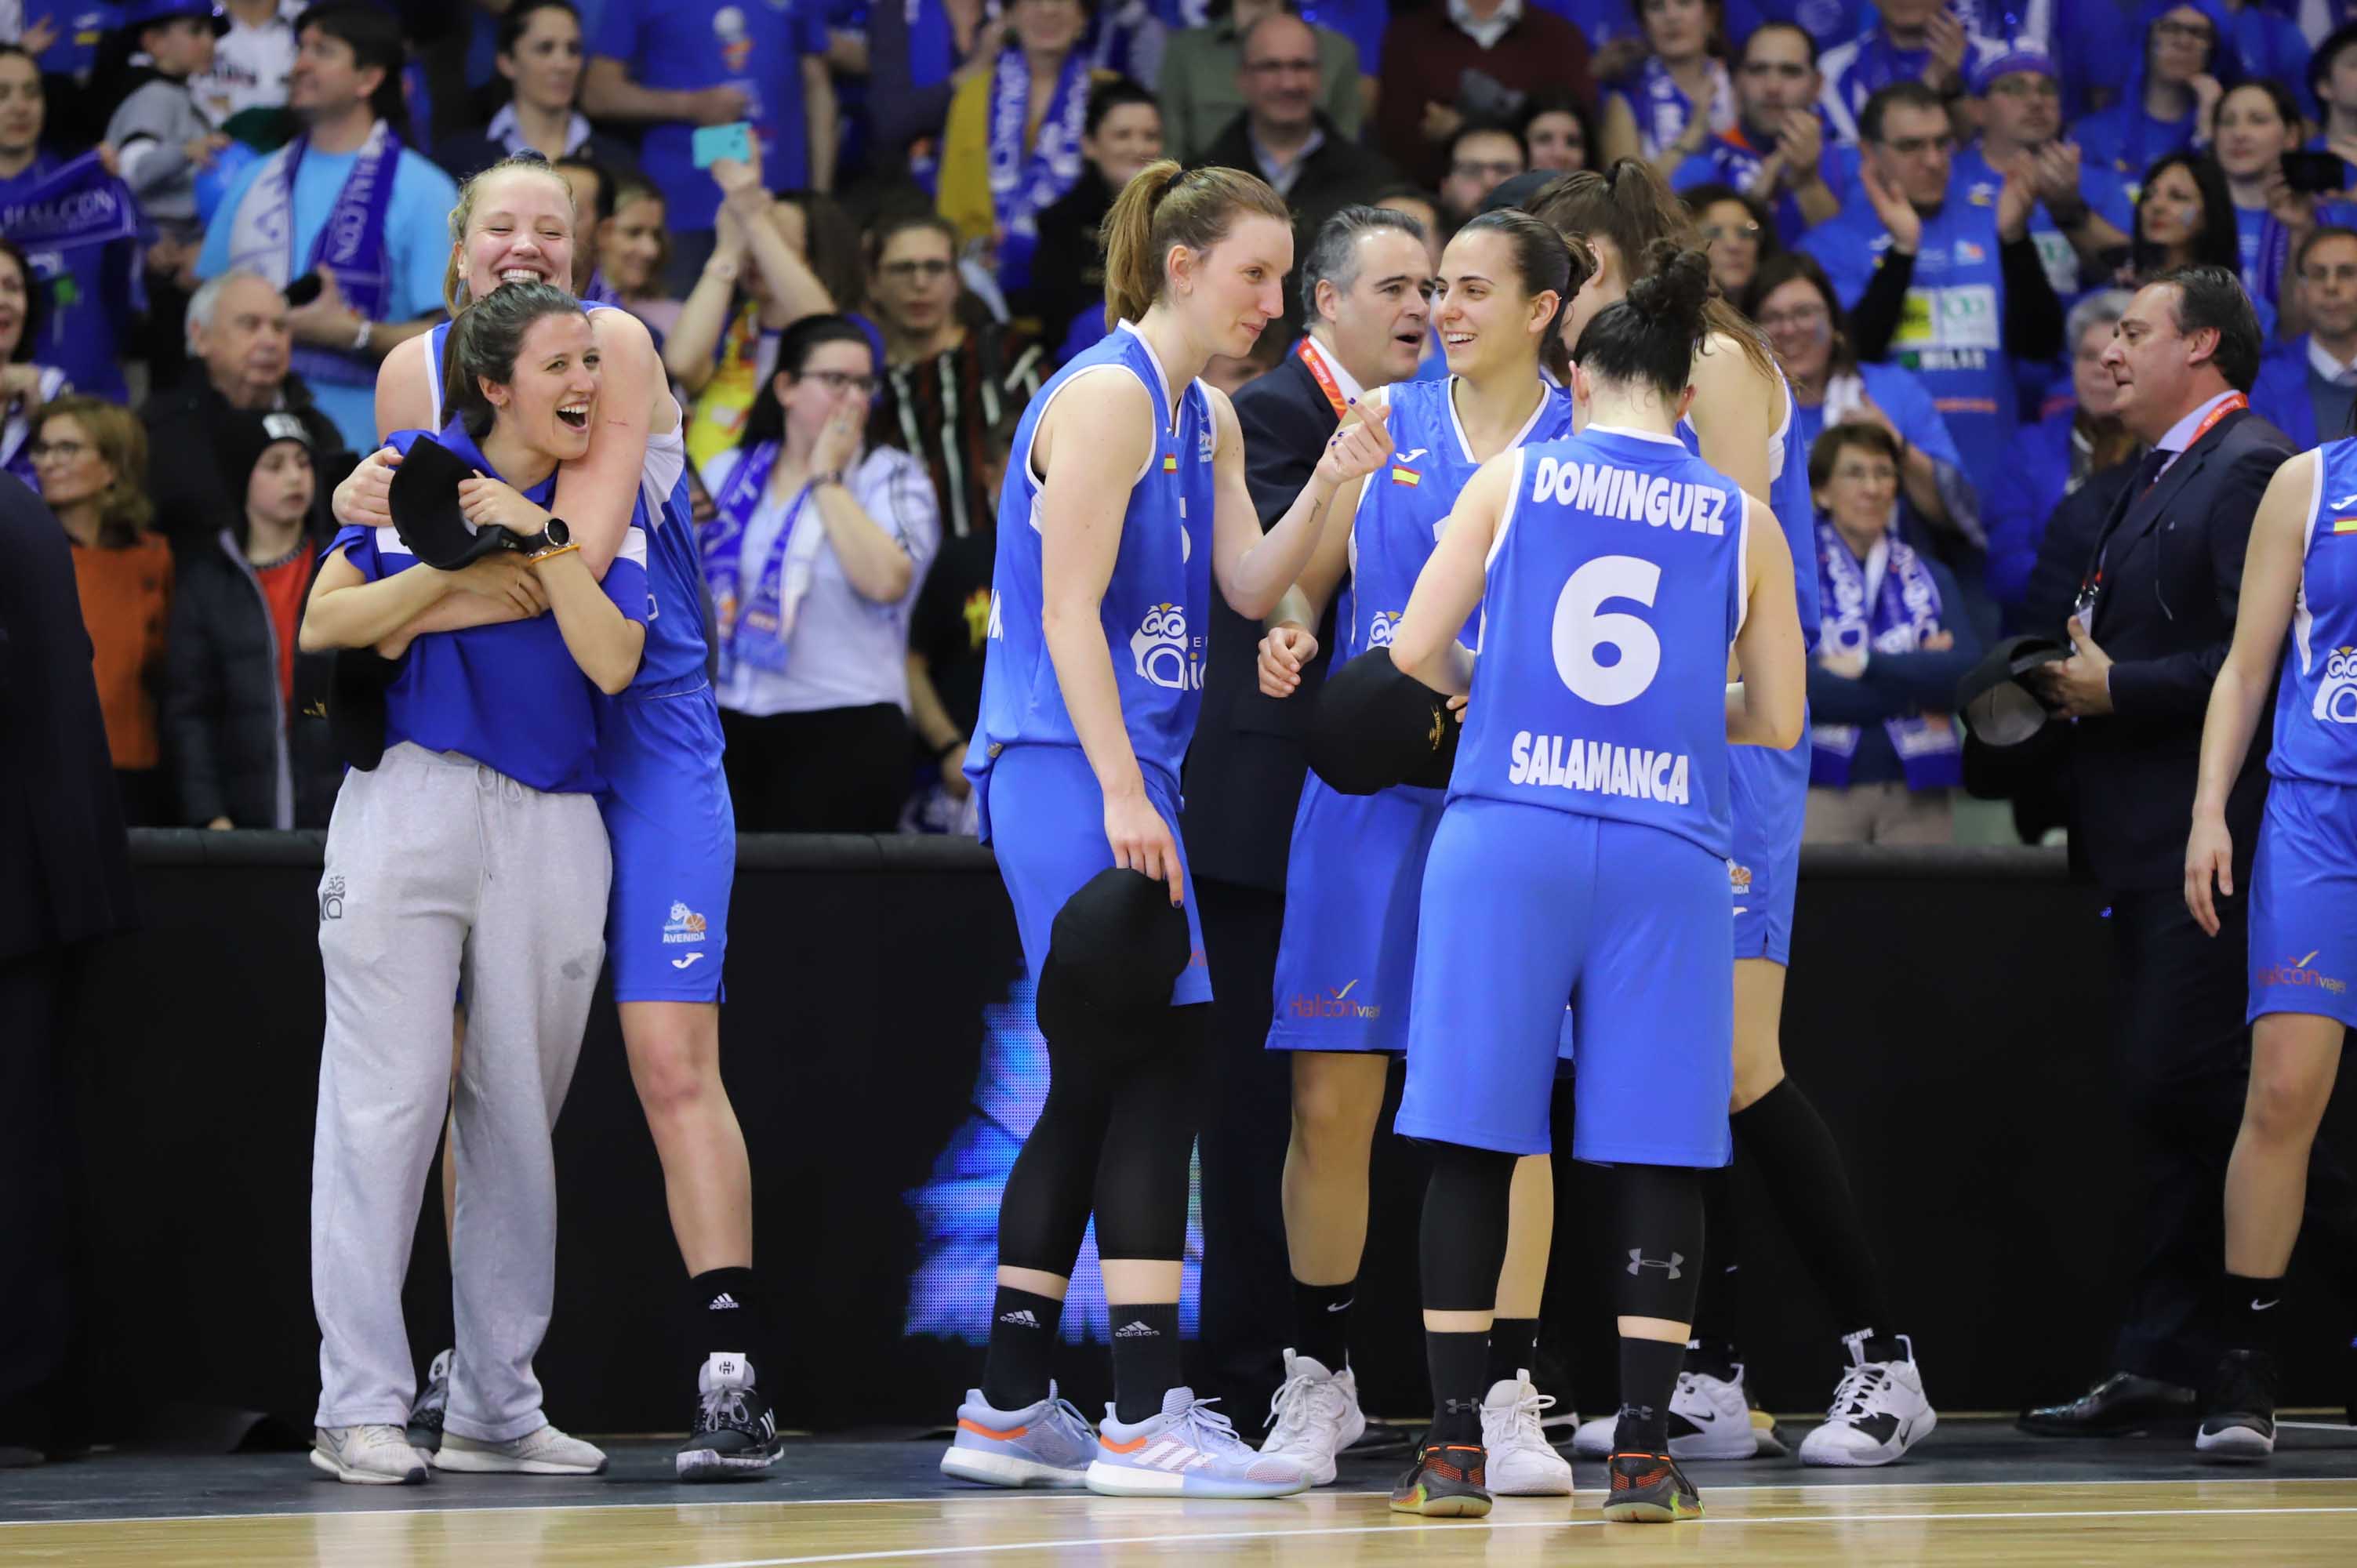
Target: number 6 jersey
1613	588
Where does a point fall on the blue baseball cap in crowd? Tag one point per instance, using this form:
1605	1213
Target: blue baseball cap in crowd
2017	54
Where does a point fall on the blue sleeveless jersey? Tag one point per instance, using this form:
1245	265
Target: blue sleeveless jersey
1611	593
1157	605
1403	505
675	650
1796	511
2316	701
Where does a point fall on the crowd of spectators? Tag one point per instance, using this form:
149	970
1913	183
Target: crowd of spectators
224	216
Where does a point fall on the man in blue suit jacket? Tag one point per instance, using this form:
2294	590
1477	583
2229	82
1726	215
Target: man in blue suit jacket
2308	387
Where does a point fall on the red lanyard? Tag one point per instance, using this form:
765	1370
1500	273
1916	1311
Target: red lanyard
1326	382
2232	401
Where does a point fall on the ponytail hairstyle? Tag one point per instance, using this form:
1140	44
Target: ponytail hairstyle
1546	259
1163	206
455	293
1633	209
483	343
1651	335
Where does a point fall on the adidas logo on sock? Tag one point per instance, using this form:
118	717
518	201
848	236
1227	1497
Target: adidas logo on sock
1021	1318
724	1302
1134	1330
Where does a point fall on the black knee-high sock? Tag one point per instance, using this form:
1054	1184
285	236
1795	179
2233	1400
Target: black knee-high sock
1322	1322
723	1313
1022	1342
1463	1243
1787	1144
1656	1238
1713	1350
1513	1350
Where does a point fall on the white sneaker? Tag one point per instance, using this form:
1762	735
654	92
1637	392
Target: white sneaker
1878	1414
1521	1462
372	1456
1710	1419
546	1452
1315	1414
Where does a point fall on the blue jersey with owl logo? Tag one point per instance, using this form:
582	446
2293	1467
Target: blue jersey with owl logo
1156	606
1611	596
2316	701
1405	504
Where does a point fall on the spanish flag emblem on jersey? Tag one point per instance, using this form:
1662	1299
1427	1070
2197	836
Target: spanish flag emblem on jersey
1406	476
2344	525
1170	462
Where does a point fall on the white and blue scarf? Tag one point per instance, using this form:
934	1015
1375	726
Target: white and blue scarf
757	631
1891	615
350	245
1023	183
1664	109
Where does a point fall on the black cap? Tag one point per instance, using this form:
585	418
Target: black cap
1518	191
1998	708
1376	728
240	438
1116	948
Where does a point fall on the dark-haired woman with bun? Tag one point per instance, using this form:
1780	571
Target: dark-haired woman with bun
1582	852
1356	866
1123	506
474	851
1743	422
813	556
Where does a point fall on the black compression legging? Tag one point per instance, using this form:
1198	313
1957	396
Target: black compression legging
1115	1137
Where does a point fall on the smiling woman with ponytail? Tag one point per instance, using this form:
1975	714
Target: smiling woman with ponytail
1121	507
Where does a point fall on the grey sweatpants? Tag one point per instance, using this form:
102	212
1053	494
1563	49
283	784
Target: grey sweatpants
438	868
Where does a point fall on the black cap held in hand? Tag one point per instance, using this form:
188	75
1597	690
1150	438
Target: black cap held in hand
1998	706
1117	947
1376	728
426	513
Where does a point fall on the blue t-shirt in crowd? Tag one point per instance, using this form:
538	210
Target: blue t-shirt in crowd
689	45
80	29
1829	22
1903	398
1731	160
91	293
2126	140
1951	330
417	245
2100	187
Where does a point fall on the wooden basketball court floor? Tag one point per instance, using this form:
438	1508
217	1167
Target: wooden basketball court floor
1977	1493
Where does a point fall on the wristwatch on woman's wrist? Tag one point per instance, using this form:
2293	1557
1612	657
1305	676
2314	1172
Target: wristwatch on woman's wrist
556	536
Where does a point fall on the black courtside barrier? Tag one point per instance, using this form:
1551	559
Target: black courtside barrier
1948	1012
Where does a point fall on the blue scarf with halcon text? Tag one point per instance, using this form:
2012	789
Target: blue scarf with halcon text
351	243
1023	183
1902	610
75	205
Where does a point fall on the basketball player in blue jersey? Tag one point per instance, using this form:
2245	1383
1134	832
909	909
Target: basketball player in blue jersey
665	797
1581	853
1347	959
1124	504
2300	578
1742	422
473	850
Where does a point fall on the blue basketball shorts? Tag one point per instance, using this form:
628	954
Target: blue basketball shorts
673	831
1353	883
1526	905
1043	815
2304	902
1769	795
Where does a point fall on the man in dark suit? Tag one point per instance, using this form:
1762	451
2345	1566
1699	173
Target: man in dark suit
1283	136
64	880
2156	612
1366	284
